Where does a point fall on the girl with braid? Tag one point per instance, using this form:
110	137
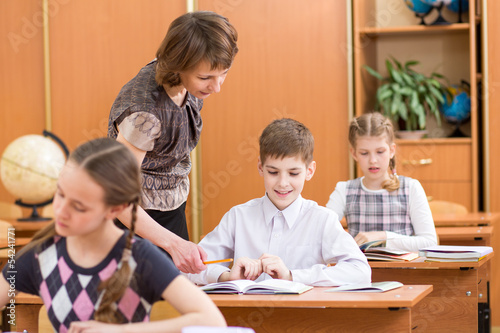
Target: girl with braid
91	275
381	205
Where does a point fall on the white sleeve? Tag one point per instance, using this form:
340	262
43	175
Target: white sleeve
339	248
337	199
218	244
421	220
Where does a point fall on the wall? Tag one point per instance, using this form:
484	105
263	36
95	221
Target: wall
96	46
492	178
292	63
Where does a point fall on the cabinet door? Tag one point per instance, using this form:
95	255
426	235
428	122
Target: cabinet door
430	161
459	192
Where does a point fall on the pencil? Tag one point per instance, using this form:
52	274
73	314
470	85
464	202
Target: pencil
217	261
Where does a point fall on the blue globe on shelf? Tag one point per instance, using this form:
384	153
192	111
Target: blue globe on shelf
438	4
422	8
456	110
460	7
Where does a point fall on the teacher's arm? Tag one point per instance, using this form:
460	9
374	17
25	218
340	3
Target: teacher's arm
187	256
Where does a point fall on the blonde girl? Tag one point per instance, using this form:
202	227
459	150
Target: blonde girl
93	276
381	205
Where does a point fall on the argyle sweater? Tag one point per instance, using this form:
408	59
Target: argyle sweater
70	292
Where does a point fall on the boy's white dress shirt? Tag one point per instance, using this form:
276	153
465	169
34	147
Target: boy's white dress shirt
305	236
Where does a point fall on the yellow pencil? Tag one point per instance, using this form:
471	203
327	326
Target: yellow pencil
217	261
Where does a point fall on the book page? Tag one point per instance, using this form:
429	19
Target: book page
228	286
374	287
277	286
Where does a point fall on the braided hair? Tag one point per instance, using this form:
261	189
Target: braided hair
375	124
111	165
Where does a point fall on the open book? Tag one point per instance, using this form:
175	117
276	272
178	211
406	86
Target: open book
375	287
455	253
271	286
373	251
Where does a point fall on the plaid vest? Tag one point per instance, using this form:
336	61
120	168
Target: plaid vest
367	211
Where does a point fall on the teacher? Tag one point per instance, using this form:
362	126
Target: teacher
157	116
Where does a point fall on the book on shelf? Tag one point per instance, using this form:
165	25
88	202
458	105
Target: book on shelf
266	287
375	287
454	253
373	251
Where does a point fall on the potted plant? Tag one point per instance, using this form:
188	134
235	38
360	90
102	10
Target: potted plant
408	97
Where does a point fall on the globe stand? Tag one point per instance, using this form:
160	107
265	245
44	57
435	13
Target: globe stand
457	133
35	217
421	16
440	19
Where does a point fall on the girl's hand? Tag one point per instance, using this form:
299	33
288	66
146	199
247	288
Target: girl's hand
245	268
93	326
275	267
369	236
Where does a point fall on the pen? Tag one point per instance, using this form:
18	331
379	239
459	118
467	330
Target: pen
217	261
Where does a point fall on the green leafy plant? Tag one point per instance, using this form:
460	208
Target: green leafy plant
408	95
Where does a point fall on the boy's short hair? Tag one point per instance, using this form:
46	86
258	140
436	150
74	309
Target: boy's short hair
286	138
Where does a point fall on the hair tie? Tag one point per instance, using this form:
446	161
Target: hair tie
127	253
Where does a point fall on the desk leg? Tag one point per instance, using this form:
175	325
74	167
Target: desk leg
319	320
26	318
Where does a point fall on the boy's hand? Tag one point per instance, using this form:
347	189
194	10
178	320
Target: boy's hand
245	269
369	236
275	267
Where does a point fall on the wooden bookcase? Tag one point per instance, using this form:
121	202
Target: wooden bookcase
446	167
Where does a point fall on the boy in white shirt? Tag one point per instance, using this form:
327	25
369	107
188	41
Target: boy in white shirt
282	235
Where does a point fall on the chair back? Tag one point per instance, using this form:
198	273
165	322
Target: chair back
447	207
44	324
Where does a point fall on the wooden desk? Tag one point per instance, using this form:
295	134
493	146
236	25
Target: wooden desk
470	236
469	219
454	236
26	313
458	289
318	311
313	311
27	229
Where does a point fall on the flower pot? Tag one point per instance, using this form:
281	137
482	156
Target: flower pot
411	135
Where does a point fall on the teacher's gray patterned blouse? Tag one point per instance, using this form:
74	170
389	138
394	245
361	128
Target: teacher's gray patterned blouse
148	119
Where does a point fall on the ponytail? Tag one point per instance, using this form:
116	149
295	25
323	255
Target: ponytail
392	184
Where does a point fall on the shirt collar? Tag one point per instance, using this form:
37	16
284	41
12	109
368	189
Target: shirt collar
291	213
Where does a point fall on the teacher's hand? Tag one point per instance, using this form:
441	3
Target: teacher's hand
187	256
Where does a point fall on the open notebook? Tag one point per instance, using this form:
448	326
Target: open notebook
271	286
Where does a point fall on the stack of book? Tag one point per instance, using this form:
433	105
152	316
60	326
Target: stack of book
373	251
450	253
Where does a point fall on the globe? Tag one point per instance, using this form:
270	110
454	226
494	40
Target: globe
437	3
420	9
418	6
30	167
454	6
